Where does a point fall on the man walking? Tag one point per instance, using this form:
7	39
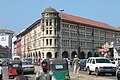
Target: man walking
76	64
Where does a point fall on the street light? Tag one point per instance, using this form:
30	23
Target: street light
61	10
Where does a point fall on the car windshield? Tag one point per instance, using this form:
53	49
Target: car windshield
16	58
26	63
103	61
58	66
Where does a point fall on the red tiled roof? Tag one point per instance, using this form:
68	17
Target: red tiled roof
86	21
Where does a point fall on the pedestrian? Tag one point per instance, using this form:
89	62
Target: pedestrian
43	74
1	71
76	64
20	75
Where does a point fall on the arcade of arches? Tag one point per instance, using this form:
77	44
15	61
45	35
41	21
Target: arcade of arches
65	54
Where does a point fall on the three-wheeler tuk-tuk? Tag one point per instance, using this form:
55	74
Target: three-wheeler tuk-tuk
12	67
58	68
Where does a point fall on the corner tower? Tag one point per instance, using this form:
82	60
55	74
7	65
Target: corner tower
50	29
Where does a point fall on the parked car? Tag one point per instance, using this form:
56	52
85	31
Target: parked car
100	65
27	67
82	64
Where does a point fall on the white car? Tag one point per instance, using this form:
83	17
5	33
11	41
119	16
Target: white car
100	65
28	67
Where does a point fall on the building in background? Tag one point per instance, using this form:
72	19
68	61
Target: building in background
6	43
60	35
13	40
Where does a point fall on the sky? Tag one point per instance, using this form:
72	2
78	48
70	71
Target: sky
17	15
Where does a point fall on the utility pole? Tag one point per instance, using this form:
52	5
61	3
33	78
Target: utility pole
61	10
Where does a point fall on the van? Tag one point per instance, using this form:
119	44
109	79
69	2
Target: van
100	65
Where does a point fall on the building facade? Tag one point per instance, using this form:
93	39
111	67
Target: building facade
60	35
6	43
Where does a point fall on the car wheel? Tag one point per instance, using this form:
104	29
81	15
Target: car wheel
97	72
88	71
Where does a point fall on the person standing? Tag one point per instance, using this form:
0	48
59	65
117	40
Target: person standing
76	64
20	75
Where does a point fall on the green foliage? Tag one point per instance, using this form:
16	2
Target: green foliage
97	46
97	53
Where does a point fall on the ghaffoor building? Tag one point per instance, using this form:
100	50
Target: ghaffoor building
61	35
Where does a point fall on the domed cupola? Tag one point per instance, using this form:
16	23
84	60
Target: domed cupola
50	10
50	17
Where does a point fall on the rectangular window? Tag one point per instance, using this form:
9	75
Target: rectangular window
83	44
46	41
55	42
50	31
55	31
50	41
46	31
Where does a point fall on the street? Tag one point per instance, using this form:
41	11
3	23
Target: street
81	76
5	76
84	76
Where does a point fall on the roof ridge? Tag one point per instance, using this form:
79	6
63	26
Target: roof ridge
85	21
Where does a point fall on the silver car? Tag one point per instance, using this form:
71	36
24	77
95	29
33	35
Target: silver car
28	67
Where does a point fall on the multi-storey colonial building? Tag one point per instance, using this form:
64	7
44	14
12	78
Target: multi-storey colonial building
60	35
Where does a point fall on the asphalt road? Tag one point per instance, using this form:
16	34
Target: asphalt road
81	76
84	76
